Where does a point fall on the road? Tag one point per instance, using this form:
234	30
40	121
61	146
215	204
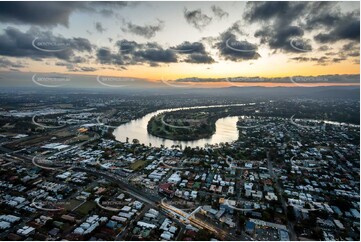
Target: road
153	200
123	234
290	225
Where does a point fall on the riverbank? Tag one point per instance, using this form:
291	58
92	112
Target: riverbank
181	126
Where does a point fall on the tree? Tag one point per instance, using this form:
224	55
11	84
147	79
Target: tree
135	141
291	213
242	220
203	235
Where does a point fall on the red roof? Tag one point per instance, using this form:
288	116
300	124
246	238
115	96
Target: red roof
166	187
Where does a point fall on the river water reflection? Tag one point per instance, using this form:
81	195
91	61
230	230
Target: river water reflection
226	130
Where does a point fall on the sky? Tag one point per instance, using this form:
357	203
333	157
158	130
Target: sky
163	41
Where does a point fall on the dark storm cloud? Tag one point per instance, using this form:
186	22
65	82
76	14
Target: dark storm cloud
147	31
197	19
69	66
330	53
282	21
288	38
77	60
219	12
351	49
157	55
235	28
321	60
231	49
279	12
195	52
322	14
127	46
38	13
337	60
104	56
300	59
350	46
189	48
60	63
334	24
279	29
15	43
323	48
131	53
234	50
5	63
49	13
346	29
265	10
80	44
153	54
355	53
88	69
199	58
99	27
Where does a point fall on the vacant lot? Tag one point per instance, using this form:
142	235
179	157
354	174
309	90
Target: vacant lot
86	207
139	164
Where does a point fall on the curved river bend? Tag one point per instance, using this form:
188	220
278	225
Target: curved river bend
226	130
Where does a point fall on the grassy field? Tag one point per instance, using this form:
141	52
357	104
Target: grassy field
86	207
72	204
139	164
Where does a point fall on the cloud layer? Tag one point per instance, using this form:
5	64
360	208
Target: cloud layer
320	33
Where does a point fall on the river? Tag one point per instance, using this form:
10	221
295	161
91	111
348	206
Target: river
226	130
